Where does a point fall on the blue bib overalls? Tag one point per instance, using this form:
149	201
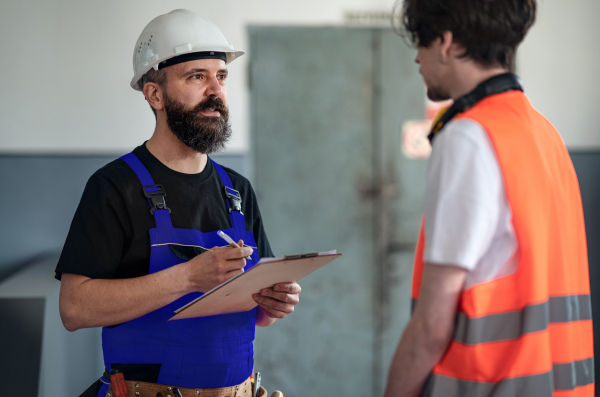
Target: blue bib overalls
206	352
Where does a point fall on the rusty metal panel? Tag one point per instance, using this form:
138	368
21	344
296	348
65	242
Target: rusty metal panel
323	167
401	98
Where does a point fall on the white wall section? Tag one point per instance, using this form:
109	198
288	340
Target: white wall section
66	67
558	64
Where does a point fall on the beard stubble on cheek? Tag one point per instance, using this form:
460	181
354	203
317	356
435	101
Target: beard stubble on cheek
204	134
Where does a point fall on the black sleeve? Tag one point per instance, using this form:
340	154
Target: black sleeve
97	237
102	241
264	248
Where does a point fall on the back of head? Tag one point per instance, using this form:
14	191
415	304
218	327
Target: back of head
489	30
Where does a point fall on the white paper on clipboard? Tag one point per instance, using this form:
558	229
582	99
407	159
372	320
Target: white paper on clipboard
235	294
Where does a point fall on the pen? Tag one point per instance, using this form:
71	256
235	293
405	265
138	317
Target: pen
225	237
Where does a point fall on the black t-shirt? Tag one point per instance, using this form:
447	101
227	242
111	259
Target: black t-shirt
109	235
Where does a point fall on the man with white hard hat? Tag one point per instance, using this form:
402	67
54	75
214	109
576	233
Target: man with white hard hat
113	276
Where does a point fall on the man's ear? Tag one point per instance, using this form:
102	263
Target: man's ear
154	95
446	45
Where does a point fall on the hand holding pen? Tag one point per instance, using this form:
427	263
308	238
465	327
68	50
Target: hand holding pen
225	237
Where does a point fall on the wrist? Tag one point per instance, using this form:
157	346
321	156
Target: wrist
179	278
263	318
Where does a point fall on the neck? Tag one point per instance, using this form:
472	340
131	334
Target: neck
470	76
173	153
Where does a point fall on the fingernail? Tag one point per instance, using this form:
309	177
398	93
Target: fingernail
277	288
256	297
264	292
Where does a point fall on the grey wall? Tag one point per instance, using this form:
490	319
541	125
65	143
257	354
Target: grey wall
587	166
84	102
87	66
39	356
346	186
40	195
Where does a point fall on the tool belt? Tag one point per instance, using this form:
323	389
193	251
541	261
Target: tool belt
145	389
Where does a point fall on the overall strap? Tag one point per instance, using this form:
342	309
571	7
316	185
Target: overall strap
155	193
234	200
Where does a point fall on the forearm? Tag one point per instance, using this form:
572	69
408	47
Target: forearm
86	302
428	332
415	357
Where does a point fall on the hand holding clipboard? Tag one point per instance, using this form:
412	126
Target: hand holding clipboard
235	295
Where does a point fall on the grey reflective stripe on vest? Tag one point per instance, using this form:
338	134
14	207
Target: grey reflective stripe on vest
563	377
533	318
571	375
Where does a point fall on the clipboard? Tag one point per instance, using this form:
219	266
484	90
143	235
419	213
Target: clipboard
235	294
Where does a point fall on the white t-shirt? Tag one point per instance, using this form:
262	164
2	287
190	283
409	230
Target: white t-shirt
467	215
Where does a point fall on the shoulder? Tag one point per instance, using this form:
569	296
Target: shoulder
461	144
239	181
112	184
463	175
462	132
116	174
236	177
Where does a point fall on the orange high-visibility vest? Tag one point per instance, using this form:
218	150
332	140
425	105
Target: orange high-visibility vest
529	333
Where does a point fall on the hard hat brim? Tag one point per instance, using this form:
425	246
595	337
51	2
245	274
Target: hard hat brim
136	82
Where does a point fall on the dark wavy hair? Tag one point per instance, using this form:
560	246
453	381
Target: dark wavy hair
489	30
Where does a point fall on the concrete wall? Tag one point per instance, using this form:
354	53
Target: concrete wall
40	195
66	67
39	357
558	65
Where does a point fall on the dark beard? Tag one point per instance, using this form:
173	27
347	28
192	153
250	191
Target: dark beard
437	96
204	134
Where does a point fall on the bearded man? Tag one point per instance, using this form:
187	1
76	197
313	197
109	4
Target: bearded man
113	276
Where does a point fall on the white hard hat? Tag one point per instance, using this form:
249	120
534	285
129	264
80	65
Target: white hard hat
174	34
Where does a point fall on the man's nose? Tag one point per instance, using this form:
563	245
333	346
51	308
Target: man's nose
214	88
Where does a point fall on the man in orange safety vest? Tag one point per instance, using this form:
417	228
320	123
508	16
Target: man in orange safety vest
501	288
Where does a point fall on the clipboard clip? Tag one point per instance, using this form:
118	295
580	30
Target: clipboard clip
298	256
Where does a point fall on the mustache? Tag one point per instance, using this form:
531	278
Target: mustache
211	103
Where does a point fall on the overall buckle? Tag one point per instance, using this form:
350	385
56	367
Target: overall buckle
157	198
235	200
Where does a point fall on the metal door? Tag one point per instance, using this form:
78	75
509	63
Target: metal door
327	108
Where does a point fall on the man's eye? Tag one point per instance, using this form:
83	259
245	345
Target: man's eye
222	77
196	76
